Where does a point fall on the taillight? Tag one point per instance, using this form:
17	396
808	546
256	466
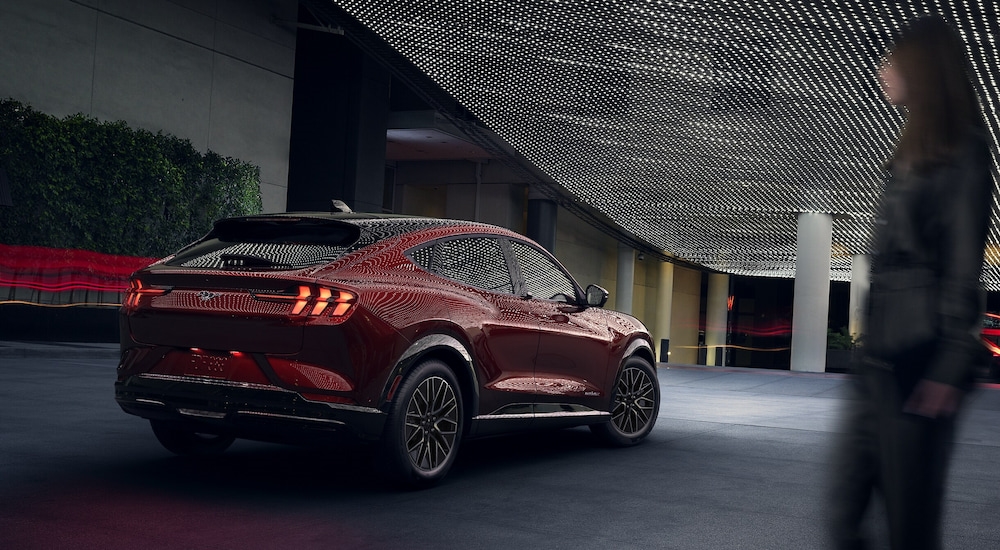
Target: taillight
309	301
302	300
994	349
136	290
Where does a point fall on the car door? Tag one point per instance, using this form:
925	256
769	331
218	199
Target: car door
571	365
506	342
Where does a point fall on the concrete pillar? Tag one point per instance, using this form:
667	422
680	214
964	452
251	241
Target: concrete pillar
811	306
340	113
717	318
542	220
626	278
664	305
685	319
860	283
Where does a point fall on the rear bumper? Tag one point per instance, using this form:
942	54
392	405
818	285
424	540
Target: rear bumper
251	411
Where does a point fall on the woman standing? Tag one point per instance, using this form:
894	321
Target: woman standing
925	309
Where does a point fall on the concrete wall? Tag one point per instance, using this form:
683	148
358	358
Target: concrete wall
644	292
216	72
590	255
448	189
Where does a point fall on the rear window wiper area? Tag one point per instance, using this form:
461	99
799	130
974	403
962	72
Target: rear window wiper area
269	244
286	230
243	261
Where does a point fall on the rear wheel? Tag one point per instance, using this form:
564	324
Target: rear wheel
186	442
635	402
424	426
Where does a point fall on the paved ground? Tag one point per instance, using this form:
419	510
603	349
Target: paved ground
737	460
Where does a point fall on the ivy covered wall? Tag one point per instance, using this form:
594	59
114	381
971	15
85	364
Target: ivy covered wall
80	183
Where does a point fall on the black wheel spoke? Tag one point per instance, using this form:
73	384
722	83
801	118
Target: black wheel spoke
634	401
432	423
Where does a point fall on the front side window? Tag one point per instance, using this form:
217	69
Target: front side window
542	277
475	261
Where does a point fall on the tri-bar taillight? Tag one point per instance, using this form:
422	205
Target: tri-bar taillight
136	290
307	301
314	301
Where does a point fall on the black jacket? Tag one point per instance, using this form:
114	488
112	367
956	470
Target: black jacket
926	305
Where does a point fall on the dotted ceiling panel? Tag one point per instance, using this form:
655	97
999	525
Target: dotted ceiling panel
702	127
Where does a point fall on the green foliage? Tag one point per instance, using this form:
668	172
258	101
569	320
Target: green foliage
841	339
102	186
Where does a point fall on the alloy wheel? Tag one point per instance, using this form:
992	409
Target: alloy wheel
635	401
431	423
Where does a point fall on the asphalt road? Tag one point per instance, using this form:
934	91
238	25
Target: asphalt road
738	459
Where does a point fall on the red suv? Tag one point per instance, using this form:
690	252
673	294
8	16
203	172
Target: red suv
413	332
991	339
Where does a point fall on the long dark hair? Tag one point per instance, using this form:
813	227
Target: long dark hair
941	103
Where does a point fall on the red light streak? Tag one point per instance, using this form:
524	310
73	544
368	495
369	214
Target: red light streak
74	304
61	270
994	349
63	287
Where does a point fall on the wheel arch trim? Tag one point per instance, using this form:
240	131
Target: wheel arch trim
642	348
436	345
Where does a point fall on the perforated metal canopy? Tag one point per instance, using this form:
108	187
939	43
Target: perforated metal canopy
702	128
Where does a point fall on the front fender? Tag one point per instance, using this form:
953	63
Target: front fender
642	347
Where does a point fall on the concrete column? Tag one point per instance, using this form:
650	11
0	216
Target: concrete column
340	113
626	278
860	283
811	306
717	318
542	220
366	183
664	305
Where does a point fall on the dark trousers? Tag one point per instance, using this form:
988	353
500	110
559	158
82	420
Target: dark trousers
903	456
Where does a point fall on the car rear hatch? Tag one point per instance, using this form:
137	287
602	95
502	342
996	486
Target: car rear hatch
246	286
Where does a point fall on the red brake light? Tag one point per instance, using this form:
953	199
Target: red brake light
322	301
136	290
344	302
315	302
302	300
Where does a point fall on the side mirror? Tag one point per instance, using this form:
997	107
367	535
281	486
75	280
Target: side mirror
596	296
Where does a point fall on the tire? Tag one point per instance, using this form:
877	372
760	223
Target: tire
635	403
424	426
187	443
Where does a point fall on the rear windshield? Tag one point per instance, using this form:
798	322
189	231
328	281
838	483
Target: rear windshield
269	243
290	242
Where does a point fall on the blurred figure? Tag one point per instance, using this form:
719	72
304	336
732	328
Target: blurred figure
922	346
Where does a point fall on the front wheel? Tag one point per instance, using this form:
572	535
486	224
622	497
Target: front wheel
634	405
424	426
185	442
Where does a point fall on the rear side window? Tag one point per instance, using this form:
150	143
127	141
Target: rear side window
263	244
475	261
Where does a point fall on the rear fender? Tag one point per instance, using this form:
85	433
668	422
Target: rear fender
446	348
